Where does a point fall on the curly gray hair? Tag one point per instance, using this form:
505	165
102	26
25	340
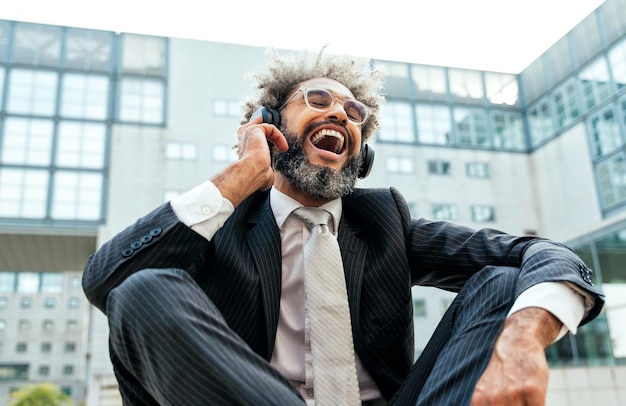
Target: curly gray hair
283	74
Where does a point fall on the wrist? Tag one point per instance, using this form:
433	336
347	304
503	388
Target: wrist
239	180
532	324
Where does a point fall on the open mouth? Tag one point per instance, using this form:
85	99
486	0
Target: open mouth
328	140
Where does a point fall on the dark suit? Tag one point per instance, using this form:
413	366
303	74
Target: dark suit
384	253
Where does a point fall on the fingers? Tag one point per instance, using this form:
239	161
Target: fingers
251	133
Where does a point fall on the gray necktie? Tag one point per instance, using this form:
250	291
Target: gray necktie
332	347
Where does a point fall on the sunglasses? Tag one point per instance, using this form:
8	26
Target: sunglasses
322	100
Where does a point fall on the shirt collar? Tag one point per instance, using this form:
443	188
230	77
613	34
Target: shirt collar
283	205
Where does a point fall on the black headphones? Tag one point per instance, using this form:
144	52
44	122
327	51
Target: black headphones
272	116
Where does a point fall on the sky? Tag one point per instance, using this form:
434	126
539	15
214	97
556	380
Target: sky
496	35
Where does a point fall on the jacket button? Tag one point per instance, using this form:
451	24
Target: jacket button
146	238
155	231
127	252
135	244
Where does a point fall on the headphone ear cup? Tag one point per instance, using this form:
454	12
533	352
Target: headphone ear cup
367	157
270	116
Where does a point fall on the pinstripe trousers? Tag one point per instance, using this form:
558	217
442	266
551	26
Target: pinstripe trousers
170	345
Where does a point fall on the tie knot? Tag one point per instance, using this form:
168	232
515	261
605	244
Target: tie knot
312	217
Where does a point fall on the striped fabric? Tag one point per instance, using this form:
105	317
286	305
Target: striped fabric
237	277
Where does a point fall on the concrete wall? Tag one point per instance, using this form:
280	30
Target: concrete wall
601	386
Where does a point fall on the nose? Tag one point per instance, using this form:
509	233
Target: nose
336	112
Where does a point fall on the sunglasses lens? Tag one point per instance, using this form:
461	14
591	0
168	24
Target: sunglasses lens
319	98
355	110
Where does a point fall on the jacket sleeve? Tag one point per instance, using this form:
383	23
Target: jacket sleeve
446	255
157	240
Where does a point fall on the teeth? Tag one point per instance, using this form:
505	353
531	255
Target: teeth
317	137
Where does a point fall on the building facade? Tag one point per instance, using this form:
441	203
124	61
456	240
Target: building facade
97	128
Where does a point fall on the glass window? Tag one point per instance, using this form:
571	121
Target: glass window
419	308
48	325
470	126
26	302
477	170
227	108
4	40
502	88
70	346
46	347
399	164
558	61
540	122
143	55
611	251
4	302
612	24
595	83
27	141
533	80
483	214
49	303
44	370
68	369
185	151
73	303
71	325
75	282
2	74
51	282
224	154
466	85
81	145
617	59
84	96
429	81
434	124
32	92
445	212
141	100
21	347
604	132
88	50
508	130
77	195
566	104
8	282
37	44
23	193
438	167
27	282
413	209
23	325
396	122
397	78
586	36
611	176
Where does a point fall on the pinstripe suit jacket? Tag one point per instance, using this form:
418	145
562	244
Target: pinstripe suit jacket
384	252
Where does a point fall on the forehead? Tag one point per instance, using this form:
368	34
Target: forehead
332	85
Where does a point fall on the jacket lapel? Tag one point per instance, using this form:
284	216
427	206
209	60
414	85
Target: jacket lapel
353	254
264	242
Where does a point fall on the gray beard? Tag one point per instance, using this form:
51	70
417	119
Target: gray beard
316	181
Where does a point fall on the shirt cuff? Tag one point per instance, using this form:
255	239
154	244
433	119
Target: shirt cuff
203	209
565	303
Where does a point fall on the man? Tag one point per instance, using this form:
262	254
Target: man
206	295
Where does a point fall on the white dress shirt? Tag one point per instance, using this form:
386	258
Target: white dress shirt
205	210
